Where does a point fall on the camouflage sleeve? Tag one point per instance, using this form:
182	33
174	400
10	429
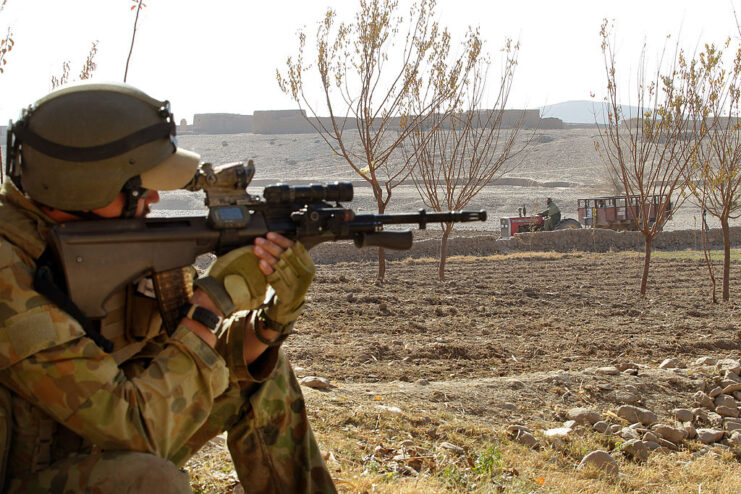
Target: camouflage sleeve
231	347
46	358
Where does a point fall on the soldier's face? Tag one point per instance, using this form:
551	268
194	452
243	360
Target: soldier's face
115	208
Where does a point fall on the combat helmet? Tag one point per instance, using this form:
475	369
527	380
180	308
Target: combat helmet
78	147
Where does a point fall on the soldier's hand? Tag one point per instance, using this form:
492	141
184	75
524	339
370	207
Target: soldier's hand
235	281
291	278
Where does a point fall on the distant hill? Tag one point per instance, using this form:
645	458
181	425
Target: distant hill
582	112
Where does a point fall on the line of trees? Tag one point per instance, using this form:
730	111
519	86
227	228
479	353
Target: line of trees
685	141
386	67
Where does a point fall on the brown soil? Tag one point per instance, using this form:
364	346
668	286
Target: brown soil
522	329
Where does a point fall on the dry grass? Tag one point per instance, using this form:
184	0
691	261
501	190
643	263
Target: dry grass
370	450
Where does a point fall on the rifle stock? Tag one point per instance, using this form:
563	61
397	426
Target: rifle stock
100	257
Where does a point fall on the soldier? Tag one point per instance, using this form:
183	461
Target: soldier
551	215
119	405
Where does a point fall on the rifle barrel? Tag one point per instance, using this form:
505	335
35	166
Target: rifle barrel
422	217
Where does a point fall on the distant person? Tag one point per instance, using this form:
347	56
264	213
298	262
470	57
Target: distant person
551	215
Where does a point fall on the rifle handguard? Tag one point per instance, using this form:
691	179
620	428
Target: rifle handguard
401	240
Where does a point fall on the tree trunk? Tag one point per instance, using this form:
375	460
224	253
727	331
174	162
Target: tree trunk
726	259
708	260
381	255
444	250
381	265
646	263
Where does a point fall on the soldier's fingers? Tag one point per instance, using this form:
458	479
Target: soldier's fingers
269	247
265	253
280	240
265	267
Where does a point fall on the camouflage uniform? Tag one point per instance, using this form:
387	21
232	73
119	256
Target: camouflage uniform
75	418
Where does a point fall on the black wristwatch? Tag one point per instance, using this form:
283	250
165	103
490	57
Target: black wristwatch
204	316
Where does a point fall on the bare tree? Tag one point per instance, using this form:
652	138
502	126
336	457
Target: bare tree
462	152
715	174
138	5
86	72
369	82
649	154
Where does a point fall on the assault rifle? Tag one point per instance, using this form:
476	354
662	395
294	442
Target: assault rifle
117	252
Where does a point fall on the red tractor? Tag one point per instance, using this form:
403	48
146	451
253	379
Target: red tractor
523	224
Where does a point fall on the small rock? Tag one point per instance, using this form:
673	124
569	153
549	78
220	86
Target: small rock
422	382
732	376
386	408
652	445
715	391
623	366
636	450
615	428
526	439
703	400
725	411
728	364
725	401
735	438
558	432
683	414
732	388
627	397
667	444
636	414
515	429
610	370
706	361
632	389
714	419
708	436
509	406
737	395
690	429
316	382
672	363
629	433
600	460
631	372
669	433
583	416
650	436
731	424
452	448
601	426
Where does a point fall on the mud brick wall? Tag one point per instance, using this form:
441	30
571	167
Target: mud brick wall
587	240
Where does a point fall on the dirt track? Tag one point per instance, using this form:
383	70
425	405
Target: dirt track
519	315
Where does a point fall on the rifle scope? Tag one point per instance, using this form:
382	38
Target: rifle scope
307	194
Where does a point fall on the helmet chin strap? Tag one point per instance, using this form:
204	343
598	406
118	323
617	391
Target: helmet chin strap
133	191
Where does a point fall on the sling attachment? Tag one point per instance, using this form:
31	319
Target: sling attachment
46	282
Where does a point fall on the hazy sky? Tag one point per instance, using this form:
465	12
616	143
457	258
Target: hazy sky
221	55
